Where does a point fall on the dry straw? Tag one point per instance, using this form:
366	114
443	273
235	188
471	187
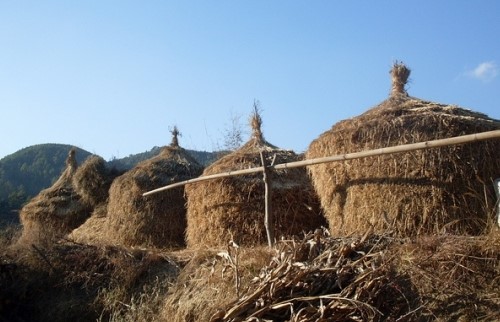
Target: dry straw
55	211
399	74
373	278
93	231
207	281
92	180
158	220
447	189
321	278
232	208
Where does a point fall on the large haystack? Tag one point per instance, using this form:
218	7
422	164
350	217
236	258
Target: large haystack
156	220
446	189
232	208
55	211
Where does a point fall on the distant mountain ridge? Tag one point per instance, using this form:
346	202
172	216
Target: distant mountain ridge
204	158
23	174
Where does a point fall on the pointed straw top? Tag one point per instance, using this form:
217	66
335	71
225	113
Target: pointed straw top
71	163
256	123
175	133
400	74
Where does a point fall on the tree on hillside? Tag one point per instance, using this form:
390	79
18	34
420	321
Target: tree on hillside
233	133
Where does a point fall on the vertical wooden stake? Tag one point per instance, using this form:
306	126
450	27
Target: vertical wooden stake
268	217
497	191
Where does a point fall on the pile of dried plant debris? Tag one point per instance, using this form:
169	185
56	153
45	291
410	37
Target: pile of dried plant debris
323	278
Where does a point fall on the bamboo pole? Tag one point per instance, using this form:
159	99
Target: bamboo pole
395	149
205	178
349	156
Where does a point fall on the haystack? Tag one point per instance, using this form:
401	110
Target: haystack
446	189
232	208
55	211
93	179
157	220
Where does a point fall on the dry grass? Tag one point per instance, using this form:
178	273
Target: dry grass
233	208
211	280
324	278
9	234
93	230
456	277
431	191
315	278
68	281
92	181
321	278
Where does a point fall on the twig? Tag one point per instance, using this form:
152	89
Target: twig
42	255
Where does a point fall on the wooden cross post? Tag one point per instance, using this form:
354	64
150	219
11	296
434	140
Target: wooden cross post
268	217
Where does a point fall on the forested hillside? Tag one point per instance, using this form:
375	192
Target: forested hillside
26	172
204	158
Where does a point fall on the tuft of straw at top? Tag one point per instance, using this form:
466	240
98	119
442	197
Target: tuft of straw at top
175	140
71	163
400	74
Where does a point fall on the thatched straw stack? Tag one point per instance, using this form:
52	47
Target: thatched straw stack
93	179
446	189
232	208
157	220
56	210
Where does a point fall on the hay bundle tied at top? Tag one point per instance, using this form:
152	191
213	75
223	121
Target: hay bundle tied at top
157	220
232	208
55	211
447	189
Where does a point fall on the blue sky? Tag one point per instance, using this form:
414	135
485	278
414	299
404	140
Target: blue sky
113	77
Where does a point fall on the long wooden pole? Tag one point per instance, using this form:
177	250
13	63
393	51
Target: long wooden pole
395	149
349	156
268	213
205	178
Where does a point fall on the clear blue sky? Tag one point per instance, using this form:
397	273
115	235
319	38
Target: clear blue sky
112	76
